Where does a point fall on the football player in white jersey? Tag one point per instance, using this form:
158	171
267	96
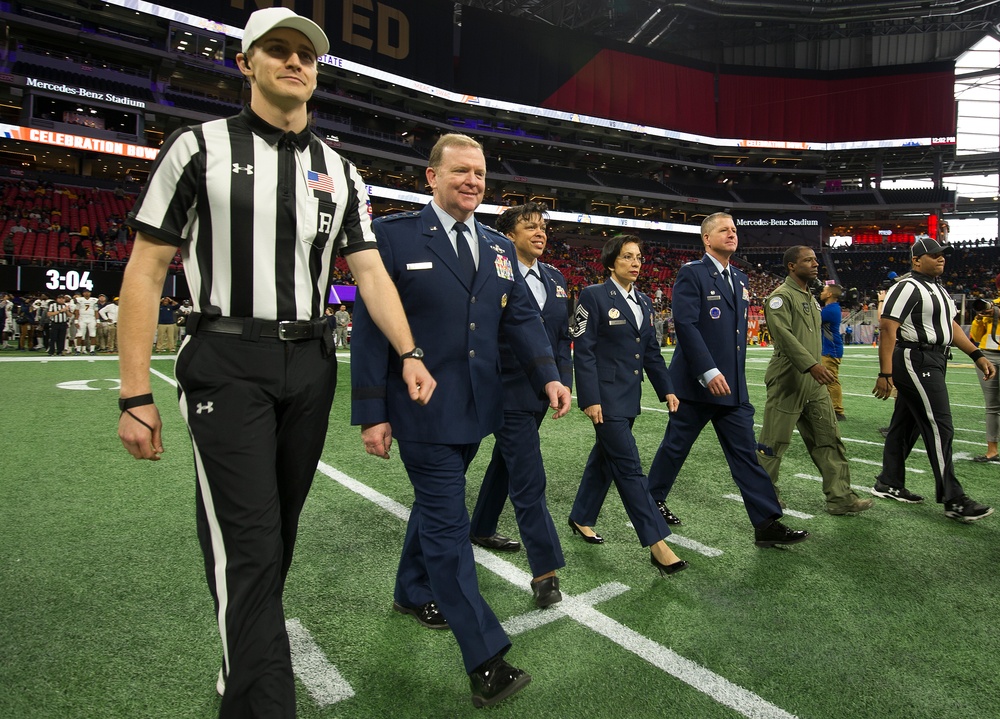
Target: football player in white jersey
86	323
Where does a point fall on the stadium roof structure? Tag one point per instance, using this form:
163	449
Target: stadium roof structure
773	33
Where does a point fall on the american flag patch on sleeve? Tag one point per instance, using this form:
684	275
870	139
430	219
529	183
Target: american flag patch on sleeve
319	181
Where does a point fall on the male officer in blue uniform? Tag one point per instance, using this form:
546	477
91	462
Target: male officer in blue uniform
516	466
710	302
442	259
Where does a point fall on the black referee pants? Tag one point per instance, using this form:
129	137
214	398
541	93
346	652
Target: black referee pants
258	415
57	338
922	410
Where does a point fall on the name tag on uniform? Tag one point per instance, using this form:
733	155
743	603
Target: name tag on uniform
419	265
714	297
616	322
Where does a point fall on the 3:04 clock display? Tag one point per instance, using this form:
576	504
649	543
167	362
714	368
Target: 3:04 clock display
70	280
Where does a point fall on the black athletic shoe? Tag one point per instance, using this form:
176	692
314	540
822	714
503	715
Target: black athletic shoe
966	510
900	494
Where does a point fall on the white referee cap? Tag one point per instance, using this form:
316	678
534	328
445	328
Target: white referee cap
927	245
268	19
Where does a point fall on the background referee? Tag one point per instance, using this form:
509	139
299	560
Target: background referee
917	328
257	204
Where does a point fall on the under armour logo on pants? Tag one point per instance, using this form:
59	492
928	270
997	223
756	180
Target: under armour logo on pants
207	407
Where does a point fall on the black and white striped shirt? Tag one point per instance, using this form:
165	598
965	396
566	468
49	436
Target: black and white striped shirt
63	312
257	213
923	308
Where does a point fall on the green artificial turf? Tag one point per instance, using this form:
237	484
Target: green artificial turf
104	611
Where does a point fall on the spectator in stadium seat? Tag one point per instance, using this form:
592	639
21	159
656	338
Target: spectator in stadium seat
257	372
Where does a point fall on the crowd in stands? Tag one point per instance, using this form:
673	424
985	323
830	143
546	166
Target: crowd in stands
42	223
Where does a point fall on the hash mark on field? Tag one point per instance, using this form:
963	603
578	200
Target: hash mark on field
541	617
687	543
873	463
325	684
789	512
694	546
855	487
698	677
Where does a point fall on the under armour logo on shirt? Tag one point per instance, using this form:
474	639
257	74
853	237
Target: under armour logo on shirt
238	168
207	407
925	374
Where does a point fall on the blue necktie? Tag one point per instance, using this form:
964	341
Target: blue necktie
466	263
729	284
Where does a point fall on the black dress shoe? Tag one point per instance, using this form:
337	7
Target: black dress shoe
427	615
666	569
669	516
594	539
497	542
495	680
778	533
546	591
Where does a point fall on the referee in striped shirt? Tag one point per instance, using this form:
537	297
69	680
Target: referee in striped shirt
257	205
59	312
917	329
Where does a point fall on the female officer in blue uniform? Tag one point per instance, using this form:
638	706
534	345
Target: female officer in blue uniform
614	343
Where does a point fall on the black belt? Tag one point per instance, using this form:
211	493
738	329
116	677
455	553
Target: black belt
253	329
940	349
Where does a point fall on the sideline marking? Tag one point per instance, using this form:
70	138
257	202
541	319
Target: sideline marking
541	617
325	684
698	677
694	546
789	512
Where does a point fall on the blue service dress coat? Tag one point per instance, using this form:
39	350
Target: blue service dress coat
710	322
611	353
458	326
516	468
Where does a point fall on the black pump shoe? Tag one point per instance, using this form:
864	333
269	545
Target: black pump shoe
595	539
667	569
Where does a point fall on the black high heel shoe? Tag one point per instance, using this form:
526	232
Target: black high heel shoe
667	569
596	539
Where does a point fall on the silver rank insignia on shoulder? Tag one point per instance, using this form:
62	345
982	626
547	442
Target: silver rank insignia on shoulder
497	248
613	313
503	300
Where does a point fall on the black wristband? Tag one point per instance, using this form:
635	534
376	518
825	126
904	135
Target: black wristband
975	356
140	400
885	375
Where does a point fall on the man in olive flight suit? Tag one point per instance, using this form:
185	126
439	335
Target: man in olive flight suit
795	379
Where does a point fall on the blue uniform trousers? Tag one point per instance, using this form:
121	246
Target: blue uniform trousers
734	427
516	469
615	457
437	563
